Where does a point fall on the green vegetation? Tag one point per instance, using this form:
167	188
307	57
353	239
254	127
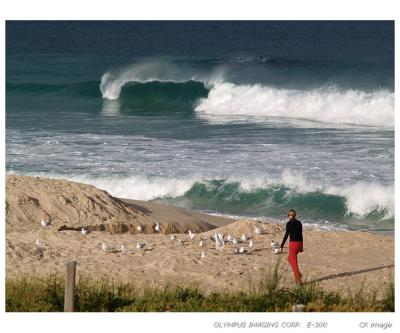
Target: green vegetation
268	294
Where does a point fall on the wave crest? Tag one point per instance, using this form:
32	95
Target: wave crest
261	196
331	105
228	101
112	81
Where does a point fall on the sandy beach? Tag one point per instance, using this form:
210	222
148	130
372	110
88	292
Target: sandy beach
338	260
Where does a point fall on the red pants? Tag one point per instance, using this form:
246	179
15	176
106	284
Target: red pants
294	249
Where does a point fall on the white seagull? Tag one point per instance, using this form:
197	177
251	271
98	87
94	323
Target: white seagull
258	230
276	250
244	237
219	241
180	241
106	247
238	250
157	227
229	238
45	223
39	244
203	255
124	248
139	228
275	245
84	231
191	235
221	238
140	245
173	237
251	244
201	243
235	241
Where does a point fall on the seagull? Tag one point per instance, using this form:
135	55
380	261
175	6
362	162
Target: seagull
39	244
157	227
201	243
84	231
244	237
234	241
203	255
180	241
106	247
219	241
229	238
40	247
139	228
45	223
251	244
241	250
140	245
275	245
276	250
258	230
124	248
221	238
191	235
173	237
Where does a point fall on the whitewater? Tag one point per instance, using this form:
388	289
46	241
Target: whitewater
228	137
227	101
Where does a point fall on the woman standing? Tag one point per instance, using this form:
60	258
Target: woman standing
294	229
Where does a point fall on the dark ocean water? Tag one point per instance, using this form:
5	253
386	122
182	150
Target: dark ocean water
234	118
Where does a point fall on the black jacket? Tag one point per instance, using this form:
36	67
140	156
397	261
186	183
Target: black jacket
294	229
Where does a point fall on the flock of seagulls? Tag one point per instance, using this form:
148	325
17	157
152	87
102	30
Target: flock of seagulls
219	241
218	238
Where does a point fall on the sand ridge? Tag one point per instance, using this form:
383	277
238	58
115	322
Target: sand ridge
72	205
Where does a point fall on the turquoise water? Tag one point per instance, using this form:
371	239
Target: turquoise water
250	128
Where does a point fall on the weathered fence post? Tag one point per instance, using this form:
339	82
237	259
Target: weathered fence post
298	308
69	296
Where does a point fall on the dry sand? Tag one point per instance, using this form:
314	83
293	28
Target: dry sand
338	260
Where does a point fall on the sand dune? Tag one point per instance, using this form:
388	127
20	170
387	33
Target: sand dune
339	260
72	205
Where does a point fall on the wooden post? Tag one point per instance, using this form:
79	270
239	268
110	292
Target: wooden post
69	296
298	308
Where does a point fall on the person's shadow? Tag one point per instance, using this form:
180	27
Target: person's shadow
343	274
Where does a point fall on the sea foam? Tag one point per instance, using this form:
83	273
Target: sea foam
328	105
256	102
360	199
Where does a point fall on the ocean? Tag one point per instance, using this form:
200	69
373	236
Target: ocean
229	118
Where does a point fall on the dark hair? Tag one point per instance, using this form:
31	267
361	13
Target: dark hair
292	211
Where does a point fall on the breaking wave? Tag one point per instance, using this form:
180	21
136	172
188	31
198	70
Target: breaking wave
345	205
216	99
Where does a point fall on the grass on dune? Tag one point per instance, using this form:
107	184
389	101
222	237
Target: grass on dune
269	293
